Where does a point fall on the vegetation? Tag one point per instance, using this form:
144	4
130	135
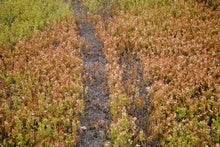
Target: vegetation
40	74
112	5
100	6
178	46
175	42
41	89
93	5
21	18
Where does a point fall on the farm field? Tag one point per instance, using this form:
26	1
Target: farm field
110	73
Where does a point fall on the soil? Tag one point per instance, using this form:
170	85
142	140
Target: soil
133	76
97	118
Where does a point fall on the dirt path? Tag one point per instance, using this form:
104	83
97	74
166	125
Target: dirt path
97	117
135	87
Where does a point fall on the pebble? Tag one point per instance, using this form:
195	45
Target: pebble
83	128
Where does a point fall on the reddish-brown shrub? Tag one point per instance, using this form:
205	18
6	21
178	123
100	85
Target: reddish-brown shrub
179	48
42	99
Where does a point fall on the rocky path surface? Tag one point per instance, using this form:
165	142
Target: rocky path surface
97	117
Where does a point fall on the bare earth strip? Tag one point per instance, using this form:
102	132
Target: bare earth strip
97	117
136	88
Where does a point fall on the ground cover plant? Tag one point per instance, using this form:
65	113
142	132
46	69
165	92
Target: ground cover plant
41	89
21	18
40	85
111	6
162	70
178	45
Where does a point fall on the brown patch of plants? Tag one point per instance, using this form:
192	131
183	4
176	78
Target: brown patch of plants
179	49
41	89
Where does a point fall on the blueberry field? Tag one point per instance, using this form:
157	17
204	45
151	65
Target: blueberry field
118	73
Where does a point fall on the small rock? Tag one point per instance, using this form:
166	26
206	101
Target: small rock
83	128
108	144
102	134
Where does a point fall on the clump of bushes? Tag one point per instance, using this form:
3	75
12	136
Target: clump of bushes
93	5
101	6
178	46
41	89
21	18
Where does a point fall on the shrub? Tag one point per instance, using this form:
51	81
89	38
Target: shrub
21	18
112	5
41	99
178	45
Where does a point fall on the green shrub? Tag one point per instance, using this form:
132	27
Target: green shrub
93	5
102	5
20	18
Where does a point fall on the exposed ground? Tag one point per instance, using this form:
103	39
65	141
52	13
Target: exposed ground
97	117
133	76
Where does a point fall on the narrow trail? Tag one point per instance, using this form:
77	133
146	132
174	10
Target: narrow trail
133	76
97	117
